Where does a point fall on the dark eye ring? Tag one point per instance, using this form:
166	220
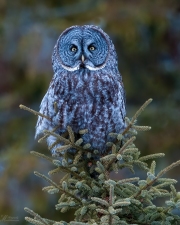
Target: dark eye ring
91	48
73	48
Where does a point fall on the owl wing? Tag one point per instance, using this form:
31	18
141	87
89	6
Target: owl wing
54	106
43	123
122	95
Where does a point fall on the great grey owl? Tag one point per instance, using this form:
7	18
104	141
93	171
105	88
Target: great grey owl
86	87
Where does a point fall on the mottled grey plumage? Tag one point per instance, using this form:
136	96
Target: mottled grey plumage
86	86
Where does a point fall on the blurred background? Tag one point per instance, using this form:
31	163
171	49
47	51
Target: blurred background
146	35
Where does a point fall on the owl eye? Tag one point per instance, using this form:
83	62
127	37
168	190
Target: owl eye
91	48
73	48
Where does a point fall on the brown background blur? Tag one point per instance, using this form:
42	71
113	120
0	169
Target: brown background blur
147	38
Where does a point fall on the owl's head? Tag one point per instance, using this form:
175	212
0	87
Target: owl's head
80	47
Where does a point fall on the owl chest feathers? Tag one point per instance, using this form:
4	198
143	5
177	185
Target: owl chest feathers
83	98
86	87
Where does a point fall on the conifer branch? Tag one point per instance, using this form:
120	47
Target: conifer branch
161	173
151	156
128	180
87	187
131	122
55	185
34	112
170	167
138	113
47	135
37	154
71	134
108	165
64	140
130	141
37	219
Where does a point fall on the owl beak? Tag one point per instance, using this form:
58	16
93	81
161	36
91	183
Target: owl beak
82	58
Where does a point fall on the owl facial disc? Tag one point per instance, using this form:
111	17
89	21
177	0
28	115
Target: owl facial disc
81	47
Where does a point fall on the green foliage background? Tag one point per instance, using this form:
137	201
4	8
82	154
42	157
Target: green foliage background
147	38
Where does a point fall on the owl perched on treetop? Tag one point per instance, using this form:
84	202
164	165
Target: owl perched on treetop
87	88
